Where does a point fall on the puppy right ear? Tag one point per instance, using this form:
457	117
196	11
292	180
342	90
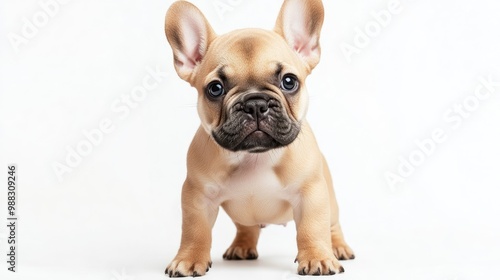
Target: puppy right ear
299	23
189	34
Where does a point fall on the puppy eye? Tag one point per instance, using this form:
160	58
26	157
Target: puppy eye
289	83
215	89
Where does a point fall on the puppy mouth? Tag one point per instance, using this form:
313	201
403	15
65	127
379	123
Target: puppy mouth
257	126
257	142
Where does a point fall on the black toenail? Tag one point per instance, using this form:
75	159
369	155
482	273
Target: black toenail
318	272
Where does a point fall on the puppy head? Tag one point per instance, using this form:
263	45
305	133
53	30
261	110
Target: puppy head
251	82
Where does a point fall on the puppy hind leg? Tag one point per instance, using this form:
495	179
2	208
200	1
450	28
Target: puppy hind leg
244	246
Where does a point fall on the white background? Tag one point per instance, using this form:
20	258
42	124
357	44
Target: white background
117	214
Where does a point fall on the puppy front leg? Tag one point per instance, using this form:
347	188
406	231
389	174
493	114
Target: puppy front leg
312	218
198	217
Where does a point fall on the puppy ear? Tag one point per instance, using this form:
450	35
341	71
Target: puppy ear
300	22
189	34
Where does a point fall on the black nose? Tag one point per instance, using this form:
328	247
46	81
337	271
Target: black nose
257	108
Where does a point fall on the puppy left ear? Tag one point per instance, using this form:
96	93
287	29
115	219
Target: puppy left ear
299	23
190	35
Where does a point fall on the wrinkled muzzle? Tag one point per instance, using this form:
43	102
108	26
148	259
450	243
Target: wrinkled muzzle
256	123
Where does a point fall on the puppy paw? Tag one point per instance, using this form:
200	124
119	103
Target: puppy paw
342	251
240	252
313	262
183	267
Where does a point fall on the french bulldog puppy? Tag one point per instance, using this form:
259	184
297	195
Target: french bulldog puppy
254	153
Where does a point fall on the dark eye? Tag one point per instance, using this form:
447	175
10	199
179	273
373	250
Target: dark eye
289	83
215	89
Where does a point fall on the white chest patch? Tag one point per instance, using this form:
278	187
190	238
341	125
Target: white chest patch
253	194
